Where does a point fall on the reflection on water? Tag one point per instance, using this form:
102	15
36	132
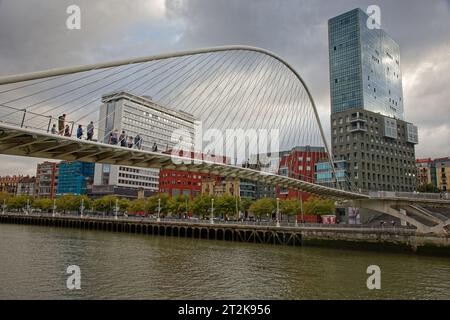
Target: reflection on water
33	262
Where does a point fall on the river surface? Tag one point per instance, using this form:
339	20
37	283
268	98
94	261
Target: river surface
34	261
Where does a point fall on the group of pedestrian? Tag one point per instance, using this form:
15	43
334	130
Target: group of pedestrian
115	138
64	129
125	141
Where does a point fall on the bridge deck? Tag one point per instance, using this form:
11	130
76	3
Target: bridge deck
33	143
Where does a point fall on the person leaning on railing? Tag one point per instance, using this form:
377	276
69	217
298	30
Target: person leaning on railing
61	122
67	131
90	131
80	132
113	137
138	142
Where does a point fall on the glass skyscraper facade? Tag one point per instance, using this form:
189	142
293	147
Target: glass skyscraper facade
364	67
74	177
369	136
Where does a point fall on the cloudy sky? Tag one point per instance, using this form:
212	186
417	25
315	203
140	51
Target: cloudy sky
34	36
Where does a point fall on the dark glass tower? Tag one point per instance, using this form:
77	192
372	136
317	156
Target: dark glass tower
368	130
364	67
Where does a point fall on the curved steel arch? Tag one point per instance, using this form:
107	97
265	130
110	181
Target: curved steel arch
117	63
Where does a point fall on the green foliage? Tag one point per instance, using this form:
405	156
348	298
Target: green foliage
245	204
319	207
151	206
68	203
262	207
87	202
123	205
43	204
105	204
177	205
290	207
136	206
226	206
19	202
202	205
4	196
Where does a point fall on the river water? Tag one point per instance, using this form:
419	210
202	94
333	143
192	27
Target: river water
34	261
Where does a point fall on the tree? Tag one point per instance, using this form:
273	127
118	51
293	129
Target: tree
179	205
136	206
68	203
290	207
123	204
262	207
245	205
87	202
4	199
151	206
4	196
105	204
202	205
43	204
227	205
319	207
19	202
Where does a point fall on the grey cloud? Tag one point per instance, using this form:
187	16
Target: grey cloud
33	37
297	30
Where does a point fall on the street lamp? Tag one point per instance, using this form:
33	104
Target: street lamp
82	208
28	206
278	212
54	208
301	210
116	209
212	211
159	210
4	206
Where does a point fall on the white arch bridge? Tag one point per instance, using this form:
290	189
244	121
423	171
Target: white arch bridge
234	87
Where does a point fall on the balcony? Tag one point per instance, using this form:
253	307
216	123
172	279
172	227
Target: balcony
358	119
358	127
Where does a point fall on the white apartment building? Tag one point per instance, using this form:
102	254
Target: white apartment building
123	111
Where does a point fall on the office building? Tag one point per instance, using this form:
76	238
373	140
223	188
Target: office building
176	182
337	178
425	173
299	163
74	177
141	116
47	179
26	186
367	107
442	167
221	186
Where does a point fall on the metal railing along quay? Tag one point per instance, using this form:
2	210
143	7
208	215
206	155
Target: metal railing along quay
219	222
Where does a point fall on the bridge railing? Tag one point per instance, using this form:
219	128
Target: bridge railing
25	119
410	195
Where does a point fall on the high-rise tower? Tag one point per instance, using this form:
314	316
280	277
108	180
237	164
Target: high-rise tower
367	107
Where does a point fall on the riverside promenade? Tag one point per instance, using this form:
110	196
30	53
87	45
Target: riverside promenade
403	238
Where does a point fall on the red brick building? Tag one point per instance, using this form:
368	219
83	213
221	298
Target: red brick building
299	163
175	182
